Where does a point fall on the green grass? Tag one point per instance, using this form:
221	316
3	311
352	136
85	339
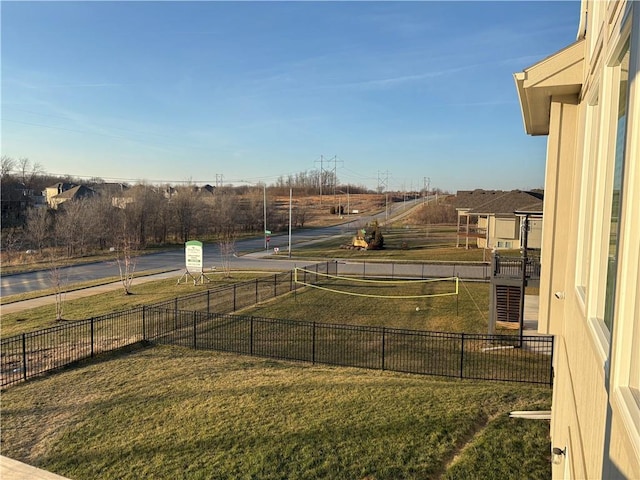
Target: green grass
72	287
177	413
467	312
95	305
430	243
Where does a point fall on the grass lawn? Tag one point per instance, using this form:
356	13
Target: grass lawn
167	412
427	243
466	312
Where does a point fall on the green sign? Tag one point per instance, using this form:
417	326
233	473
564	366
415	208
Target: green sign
267	232
193	256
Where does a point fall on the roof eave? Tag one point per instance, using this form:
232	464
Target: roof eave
560	74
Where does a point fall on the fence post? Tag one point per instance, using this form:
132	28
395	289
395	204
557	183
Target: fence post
551	363
393	267
290	281
92	337
383	345
234	298
144	323
208	302
256	291
275	286
175	313
313	344
251	338
24	357
462	356
195	338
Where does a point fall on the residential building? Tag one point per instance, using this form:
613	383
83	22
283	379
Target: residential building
494	219
15	199
74	193
56	189
586	99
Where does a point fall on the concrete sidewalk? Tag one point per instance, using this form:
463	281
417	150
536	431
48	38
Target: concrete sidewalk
82	292
14	470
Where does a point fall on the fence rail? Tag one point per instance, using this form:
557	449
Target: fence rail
512	267
460	355
30	354
202	321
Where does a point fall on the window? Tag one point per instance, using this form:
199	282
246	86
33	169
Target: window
616	200
587	189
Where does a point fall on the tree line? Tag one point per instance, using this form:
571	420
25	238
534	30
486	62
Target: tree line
114	215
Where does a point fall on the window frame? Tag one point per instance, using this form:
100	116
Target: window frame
624	354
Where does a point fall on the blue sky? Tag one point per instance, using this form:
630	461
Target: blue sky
178	91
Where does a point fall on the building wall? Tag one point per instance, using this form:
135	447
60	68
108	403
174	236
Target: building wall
589	298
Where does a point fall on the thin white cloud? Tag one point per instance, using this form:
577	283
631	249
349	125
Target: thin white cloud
81	85
400	79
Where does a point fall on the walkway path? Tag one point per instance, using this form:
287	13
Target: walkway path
13	470
81	293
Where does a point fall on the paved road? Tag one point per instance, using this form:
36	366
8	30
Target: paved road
251	256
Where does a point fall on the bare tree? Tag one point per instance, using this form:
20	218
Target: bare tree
11	244
72	225
57	275
27	171
7	164
102	221
38	227
59	283
127	246
184	206
126	258
227	246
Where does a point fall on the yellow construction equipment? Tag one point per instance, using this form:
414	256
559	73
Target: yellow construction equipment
366	239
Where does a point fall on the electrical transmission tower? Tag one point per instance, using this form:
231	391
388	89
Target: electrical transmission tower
427	181
328	176
383	180
219	180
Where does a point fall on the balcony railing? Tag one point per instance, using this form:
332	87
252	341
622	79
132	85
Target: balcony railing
512	267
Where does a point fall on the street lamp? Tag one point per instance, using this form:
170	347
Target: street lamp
348	204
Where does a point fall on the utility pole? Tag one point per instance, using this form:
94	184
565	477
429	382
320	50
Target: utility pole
427	181
321	178
219	181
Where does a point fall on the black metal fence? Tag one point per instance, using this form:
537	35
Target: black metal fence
460	355
189	321
30	354
231	298
34	353
512	266
396	269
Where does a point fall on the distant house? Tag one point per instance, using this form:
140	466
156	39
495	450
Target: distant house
207	189
493	219
109	188
75	193
15	198
56	189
